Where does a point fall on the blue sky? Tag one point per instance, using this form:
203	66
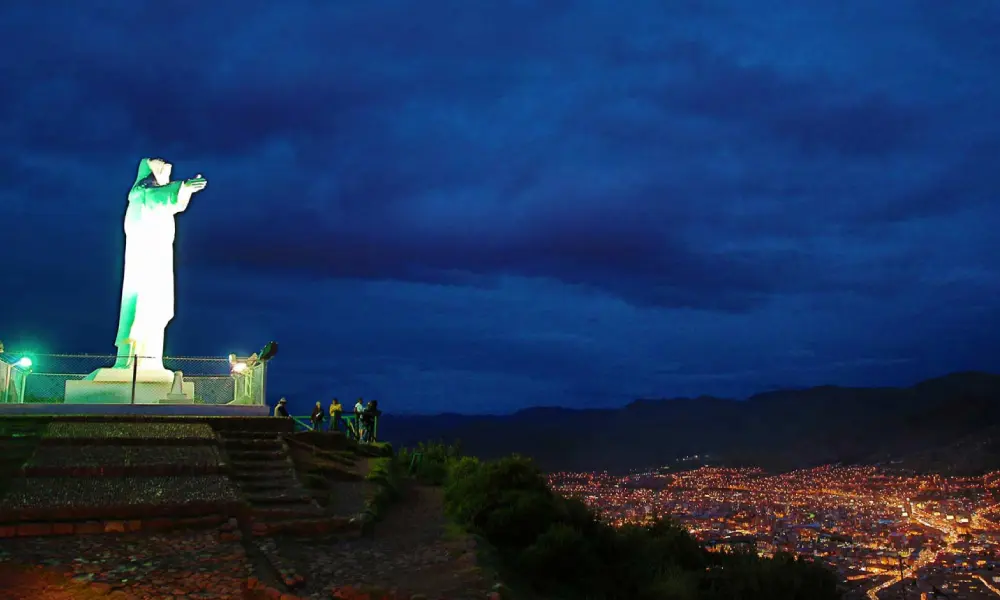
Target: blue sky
483	206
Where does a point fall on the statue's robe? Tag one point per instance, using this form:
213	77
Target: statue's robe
148	282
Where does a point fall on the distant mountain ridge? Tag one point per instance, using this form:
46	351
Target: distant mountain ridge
945	423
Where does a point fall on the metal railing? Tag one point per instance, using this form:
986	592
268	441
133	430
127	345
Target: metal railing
96	379
350	424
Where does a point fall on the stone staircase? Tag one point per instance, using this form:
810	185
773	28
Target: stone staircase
67	475
18	441
265	474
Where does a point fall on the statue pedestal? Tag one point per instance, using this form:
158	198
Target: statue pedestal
114	386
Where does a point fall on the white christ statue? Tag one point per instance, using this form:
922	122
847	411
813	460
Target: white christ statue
148	283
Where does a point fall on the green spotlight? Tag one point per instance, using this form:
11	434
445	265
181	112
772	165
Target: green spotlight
268	351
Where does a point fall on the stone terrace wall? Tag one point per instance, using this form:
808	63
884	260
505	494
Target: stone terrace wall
115	474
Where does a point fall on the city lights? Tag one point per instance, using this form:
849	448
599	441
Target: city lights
876	527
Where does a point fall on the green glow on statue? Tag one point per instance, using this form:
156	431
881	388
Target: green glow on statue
148	283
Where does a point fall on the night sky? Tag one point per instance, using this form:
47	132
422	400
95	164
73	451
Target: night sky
473	206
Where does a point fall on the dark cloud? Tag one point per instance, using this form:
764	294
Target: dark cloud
963	183
643	267
666	180
815	113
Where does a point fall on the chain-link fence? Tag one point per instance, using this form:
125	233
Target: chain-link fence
101	379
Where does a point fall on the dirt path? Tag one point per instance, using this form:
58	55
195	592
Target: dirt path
177	565
410	551
22	582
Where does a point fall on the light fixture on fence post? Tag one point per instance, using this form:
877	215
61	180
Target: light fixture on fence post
242	374
237	365
268	352
23	369
6	370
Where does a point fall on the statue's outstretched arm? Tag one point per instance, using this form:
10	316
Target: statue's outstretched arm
162	195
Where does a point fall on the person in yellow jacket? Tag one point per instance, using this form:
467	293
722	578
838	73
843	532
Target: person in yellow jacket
336	412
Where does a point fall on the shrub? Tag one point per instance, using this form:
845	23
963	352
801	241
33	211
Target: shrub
560	560
463	467
429	463
672	584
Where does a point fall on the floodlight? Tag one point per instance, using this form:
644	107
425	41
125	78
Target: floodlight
268	352
24	363
238	367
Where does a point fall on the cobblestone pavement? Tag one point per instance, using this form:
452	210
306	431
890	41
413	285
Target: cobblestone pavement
175	566
409	551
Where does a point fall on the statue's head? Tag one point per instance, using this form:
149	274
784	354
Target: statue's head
161	170
157	167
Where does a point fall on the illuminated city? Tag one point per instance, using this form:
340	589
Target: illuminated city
870	524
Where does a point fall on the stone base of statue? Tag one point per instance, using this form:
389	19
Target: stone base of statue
114	386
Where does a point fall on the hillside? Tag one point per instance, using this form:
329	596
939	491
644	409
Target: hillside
946	423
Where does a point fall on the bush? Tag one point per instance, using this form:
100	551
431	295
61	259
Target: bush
429	463
561	560
475	491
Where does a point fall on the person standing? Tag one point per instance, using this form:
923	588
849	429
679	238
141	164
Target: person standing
317	417
281	410
336	413
359	411
371	415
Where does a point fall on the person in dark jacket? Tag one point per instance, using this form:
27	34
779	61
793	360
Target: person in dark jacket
317	417
370	417
281	410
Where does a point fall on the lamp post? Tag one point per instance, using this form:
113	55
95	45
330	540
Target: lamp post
8	369
246	381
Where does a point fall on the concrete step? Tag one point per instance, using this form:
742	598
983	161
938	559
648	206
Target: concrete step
277	498
18	435
286	512
269	480
18	443
249	466
315	526
238	445
250	435
270	484
245	456
263	480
